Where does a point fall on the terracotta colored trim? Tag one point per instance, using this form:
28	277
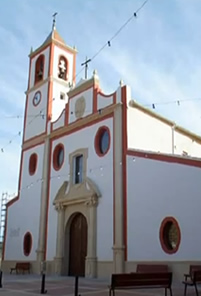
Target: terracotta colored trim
58	148
81	88
124	164
99	133
29	78
32	142
95	100
48	199
166	158
25	251
39	50
80	127
161	236
25	119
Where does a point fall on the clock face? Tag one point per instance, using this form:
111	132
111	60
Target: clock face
36	98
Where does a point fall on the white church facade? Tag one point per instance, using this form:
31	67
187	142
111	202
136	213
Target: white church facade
104	183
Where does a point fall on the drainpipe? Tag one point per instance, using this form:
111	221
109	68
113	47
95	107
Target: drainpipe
173	130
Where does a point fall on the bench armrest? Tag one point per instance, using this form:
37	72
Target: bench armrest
186	275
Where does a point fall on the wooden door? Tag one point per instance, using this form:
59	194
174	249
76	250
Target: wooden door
78	245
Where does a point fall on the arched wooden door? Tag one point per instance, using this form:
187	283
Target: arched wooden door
78	245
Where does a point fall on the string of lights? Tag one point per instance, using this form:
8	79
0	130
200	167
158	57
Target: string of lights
91	171
177	102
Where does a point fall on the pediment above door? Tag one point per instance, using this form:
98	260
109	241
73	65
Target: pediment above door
69	194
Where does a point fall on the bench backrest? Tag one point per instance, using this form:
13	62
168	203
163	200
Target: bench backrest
193	268
152	268
196	276
23	265
141	279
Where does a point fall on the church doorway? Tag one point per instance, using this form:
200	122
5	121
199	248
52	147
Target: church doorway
77	245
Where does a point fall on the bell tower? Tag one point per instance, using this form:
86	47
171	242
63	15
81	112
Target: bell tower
51	74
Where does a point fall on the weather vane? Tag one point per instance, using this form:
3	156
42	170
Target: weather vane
54	20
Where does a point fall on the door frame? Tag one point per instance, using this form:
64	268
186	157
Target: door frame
67	206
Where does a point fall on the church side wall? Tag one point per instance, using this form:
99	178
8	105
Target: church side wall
146	132
156	190
23	215
100	171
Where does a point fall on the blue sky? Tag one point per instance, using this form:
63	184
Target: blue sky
158	54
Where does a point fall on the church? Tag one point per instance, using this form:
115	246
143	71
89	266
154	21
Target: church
104	183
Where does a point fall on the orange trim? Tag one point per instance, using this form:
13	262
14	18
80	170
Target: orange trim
29	78
34	139
98	135
165	158
27	252
48	200
79	92
33	55
33	145
124	165
25	119
50	87
163	239
33	160
59	147
95	100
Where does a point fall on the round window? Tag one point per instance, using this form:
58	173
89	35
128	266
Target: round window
32	163
37	98
170	235
102	141
58	156
27	245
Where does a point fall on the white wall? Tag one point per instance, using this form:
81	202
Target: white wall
100	170
46	53
88	95
24	214
155	190
35	122
104	101
146	132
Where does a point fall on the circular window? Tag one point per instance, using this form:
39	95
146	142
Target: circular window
37	98
102	141
32	163
170	235
58	156
27	245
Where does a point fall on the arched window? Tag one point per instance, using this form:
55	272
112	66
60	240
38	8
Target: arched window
62	68
39	68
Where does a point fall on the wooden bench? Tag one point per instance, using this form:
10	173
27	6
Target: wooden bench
193	278
23	266
146	268
141	280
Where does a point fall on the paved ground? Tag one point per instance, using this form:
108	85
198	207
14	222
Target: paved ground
29	285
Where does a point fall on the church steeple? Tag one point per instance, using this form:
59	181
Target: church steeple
52	72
